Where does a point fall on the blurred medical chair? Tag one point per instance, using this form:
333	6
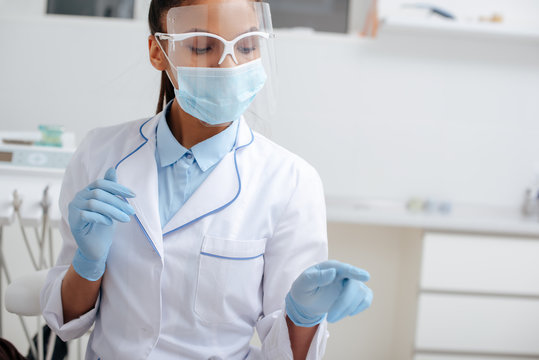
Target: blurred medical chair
30	180
22	299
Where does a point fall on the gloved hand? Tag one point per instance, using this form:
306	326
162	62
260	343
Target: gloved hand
331	287
91	215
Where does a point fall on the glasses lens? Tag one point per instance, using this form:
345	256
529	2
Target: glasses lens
197	51
248	48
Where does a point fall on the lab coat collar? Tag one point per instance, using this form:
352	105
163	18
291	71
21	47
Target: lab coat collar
138	171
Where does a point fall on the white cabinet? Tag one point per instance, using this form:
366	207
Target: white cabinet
479	296
462	357
477	324
480	264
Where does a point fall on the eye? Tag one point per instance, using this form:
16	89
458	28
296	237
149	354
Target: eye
199	45
247	45
246	50
200	50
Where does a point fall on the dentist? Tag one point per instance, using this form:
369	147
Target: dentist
185	232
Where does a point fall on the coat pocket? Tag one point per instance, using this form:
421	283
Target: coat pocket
229	280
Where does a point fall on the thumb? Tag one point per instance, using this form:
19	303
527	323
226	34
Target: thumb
326	277
111	175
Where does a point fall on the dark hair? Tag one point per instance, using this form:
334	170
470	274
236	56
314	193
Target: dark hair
155	16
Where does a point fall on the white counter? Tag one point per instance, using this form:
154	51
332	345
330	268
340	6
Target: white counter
462	218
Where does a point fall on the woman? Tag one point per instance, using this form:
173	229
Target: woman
185	232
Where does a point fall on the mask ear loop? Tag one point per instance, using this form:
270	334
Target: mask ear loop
166	56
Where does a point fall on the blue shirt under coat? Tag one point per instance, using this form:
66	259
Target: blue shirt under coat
180	171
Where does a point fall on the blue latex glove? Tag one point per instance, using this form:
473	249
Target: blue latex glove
331	287
91	215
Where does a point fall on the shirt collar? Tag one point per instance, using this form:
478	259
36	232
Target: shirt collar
210	151
207	153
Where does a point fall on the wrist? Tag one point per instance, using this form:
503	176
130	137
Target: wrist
299	316
91	270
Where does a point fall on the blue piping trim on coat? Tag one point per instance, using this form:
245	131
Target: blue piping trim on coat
141	145
146	234
231	258
202	216
228	203
116	168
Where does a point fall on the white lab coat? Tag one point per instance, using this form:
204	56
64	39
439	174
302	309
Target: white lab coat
200	279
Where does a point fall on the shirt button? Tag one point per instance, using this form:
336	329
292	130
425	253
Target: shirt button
189	156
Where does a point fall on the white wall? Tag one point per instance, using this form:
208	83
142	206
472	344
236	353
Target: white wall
448	116
81	72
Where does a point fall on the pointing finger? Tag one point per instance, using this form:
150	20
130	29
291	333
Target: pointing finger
110	199
345	271
93	217
112	187
105	209
358	274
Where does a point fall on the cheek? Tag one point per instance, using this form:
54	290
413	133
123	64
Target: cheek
181	57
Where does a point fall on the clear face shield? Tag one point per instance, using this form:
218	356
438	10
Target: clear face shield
222	62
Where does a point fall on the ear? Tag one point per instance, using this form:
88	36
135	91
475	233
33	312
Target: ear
157	58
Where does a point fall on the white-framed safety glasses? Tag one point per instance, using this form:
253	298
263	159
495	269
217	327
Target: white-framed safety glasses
212	49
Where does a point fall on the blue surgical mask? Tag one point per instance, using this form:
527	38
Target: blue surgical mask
219	95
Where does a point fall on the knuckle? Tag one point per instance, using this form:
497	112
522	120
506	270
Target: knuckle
92	204
81	215
100	184
80	194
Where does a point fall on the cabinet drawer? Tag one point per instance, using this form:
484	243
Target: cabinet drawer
478	324
461	357
480	264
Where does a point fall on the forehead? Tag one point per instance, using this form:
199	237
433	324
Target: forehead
227	19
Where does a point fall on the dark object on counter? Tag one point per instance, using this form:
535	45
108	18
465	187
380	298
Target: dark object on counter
433	9
17	142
